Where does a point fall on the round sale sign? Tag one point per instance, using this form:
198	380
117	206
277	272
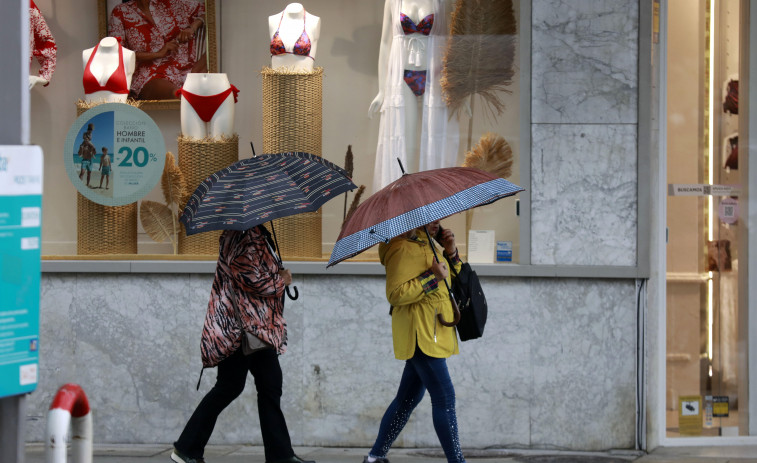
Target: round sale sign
114	154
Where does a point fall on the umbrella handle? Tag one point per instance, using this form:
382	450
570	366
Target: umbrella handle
296	293
455	310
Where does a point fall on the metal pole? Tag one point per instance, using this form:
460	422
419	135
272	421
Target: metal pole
14	130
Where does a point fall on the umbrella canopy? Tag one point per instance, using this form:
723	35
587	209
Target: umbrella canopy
415	200
262	188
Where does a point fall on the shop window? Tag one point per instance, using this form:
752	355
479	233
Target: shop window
471	84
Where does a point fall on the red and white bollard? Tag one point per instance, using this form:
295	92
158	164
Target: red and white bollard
70	406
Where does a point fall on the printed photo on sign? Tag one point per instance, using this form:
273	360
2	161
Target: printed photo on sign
115	154
94	149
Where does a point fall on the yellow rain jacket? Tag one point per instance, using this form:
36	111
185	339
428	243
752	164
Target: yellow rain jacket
417	297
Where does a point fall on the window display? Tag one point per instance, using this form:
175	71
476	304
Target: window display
396	59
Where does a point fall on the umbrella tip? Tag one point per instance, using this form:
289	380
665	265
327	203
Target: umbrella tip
253	149
402	168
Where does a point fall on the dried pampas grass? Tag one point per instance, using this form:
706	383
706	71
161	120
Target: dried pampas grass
349	167
172	182
355	203
480	55
492	154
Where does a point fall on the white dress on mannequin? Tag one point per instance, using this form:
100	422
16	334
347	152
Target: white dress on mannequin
294	38
397	102
108	68
207	106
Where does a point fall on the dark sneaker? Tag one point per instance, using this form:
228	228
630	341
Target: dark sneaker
179	457
378	460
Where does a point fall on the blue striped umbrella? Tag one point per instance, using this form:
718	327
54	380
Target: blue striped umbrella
262	188
415	200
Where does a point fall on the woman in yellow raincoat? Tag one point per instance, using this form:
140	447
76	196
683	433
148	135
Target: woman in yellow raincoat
415	289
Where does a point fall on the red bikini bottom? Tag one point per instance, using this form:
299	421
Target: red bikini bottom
206	105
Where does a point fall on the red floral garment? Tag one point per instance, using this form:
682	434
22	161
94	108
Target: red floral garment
247	268
41	43
139	35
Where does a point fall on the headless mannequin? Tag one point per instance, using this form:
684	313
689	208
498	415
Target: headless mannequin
414	58
416	10
222	122
104	64
290	24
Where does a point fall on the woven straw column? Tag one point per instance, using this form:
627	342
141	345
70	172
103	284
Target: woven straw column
197	160
293	121
102	229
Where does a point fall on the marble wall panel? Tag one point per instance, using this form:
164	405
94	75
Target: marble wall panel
583	194
584	61
132	342
583	354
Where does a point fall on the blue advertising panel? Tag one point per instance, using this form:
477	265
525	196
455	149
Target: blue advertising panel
20	227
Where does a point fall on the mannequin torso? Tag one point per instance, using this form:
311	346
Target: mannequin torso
221	123
294	27
100	64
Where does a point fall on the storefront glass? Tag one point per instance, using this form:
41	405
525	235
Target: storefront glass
705	356
480	81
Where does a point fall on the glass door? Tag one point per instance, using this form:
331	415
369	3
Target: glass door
703	348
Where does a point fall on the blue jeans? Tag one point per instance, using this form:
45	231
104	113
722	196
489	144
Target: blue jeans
422	372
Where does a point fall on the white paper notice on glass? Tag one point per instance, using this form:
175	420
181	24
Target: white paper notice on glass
481	246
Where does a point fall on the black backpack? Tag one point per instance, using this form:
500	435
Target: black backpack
466	288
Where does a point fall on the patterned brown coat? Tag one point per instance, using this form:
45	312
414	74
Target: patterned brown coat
248	269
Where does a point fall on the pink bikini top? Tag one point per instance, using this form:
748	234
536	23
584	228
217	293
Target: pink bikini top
301	47
116	82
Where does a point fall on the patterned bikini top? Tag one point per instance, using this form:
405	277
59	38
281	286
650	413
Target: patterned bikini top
423	27
116	82
301	47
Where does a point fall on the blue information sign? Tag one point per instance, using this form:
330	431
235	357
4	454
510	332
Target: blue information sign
20	226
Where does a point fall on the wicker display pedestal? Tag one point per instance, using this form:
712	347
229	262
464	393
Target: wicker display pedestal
105	229
197	160
102	230
293	121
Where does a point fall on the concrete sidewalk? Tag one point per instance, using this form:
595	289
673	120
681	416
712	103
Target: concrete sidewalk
35	453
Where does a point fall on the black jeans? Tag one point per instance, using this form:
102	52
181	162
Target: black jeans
232	375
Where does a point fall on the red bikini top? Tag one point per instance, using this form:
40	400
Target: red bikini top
301	47
116	82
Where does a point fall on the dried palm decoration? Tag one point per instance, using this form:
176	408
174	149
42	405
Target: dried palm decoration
480	55
349	167
160	220
492	154
355	202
